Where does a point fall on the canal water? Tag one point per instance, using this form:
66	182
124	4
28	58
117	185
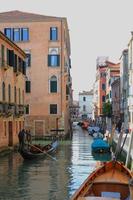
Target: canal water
48	179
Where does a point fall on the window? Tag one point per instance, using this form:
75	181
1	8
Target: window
28	59
9	93
19	95
24	34
84	98
53	60
103	86
2	55
28	86
27	109
53	33
84	108
3	92
10	57
8	32
15	62
5	130
23	97
53	108
53	84
16	34
15	94
103	98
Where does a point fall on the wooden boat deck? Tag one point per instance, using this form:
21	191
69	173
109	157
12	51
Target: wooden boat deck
112	176
108	181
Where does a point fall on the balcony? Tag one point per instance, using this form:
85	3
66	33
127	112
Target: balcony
6	110
19	110
10	109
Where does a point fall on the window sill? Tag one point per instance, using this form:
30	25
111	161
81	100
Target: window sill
22	41
53	66
54	41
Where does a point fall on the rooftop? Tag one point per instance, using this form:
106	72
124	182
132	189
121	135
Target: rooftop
18	16
86	92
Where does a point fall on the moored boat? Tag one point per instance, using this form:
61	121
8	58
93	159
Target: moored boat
111	181
100	146
38	151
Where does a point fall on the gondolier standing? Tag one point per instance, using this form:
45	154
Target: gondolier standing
21	137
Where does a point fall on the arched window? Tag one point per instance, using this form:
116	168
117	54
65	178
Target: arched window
9	93
3	92
53	84
15	94
23	97
19	93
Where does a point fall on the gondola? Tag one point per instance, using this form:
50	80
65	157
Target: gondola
112	180
30	152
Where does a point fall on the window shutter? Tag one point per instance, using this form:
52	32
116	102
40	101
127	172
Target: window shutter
24	67
15	63
7	56
28	87
11	58
58	60
49	60
50	33
56	33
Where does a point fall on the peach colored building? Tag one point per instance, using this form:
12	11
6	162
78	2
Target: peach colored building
45	40
12	87
112	74
107	72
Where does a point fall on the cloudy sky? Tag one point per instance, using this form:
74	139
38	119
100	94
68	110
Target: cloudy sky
97	28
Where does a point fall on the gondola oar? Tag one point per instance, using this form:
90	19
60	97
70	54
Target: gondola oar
43	151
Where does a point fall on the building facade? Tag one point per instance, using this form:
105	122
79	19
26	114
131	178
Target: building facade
46	43
74	111
112	74
12	91
124	89
85	104
115	88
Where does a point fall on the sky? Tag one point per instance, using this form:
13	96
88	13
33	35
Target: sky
96	27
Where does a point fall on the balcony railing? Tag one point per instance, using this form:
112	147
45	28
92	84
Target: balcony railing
7	110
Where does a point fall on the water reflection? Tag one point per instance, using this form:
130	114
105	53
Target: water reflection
48	179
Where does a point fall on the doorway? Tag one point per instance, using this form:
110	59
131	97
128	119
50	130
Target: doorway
10	132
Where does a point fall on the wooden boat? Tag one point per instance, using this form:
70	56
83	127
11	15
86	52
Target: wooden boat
111	181
38	151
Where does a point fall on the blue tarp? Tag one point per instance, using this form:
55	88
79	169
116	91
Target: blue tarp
99	144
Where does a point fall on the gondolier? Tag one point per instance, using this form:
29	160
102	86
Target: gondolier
21	137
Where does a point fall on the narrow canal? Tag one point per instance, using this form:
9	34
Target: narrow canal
48	179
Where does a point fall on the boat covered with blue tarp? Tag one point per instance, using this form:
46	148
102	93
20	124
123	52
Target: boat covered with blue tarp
99	145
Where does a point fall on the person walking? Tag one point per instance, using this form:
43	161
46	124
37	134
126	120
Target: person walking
118	125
